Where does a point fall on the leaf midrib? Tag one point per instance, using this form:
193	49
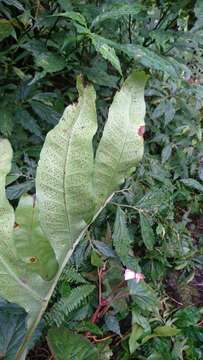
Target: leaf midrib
66	167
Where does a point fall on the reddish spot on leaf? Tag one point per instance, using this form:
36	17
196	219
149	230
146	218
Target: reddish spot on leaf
16	226
33	259
141	130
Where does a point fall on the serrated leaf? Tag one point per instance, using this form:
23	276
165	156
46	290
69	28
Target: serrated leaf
193	184
28	122
104	249
187	317
67	345
147	232
112	324
12	329
17	190
166	153
75	16
6	122
96	259
137	318
157	198
14	174
121	236
6	29
107	52
45	112
170	111
116	13
150	58
67	304
50	62
15	3
99	76
65	4
143	295
159	110
71	275
89	326
166	330
36	47
136	333
198	9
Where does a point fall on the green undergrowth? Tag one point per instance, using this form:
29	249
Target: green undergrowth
153	224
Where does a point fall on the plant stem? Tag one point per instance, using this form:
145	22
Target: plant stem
23	348
129	29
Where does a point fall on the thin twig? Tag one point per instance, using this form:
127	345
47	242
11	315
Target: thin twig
130	206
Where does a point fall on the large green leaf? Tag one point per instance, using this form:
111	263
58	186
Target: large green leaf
12	329
6	29
6	121
121	147
122	241
146	57
67	345
131	9
17	284
72	188
143	295
28	122
33	249
64	187
50	62
147	232
121	236
107	52
74	16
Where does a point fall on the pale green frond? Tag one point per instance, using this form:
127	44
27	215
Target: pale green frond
64	185
121	146
72	189
33	249
16	284
71	275
66	305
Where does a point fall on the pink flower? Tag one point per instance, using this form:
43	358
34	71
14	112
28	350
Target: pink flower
132	275
141	130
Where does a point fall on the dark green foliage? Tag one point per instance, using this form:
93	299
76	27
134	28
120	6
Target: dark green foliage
66	345
12	329
68	303
154	224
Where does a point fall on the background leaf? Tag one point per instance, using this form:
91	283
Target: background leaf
64	343
107	52
147	232
12	329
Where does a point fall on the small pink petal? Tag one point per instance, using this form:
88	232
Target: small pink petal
138	277
129	274
132	275
103	302
141	130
